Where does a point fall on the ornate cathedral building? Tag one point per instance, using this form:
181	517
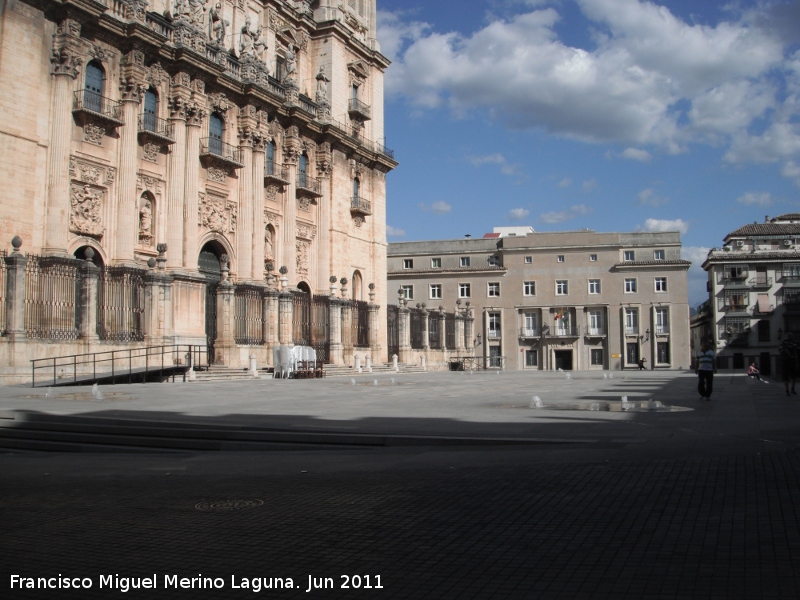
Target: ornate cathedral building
207	172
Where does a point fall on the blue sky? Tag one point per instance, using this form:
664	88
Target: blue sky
616	115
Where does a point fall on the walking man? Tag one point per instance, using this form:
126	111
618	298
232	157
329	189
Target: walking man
787	352
706	367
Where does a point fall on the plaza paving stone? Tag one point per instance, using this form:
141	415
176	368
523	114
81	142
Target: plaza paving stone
702	503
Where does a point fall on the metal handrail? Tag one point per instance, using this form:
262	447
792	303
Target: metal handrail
154	359
216	147
152	124
529	332
483	362
761	281
357	106
93	102
276	171
360	204
306	182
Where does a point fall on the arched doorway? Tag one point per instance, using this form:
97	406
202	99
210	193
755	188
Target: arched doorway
210	266
357	287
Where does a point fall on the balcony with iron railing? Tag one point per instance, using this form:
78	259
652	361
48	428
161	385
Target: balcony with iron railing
632	330
360	206
590	331
384	150
790	277
734	278
760	281
563	331
732	304
308	186
359	110
661	329
275	173
529	332
791	300
493	334
153	128
90	105
214	150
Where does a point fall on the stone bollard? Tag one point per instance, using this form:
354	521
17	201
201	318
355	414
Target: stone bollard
369	363
394	363
358	363
424	368
253	366
190	374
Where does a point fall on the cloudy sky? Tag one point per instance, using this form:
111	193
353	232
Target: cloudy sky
616	115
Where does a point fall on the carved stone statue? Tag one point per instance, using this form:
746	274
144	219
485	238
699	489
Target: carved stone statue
302	257
86	205
290	64
322	85
217	26
146	222
251	44
197	12
269	244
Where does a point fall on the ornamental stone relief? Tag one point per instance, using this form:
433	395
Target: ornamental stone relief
89	172
272	192
303	203
93	132
151	152
86	203
216	213
269	244
145	183
302	257
218	175
358	220
306	231
272	218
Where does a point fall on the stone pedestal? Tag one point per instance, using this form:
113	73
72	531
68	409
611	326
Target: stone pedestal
459	333
347	331
15	294
404	334
335	331
225	343
285	318
87	327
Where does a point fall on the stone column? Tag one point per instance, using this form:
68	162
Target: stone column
245	221
257	204
15	292
271	301
347	324
285	311
176	170
195	115
442	329
469	331
426	343
374	324
157	297
90	273
324	251
292	150
64	63
335	325
132	85
404	331
459	329
225	343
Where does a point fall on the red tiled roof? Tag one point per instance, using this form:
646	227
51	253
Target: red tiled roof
491	235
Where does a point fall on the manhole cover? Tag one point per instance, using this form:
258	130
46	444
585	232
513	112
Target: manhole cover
228	505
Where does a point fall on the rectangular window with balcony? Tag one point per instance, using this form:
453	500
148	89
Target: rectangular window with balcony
734	273
791	297
596	357
436	263
629	255
662	353
408	291
464	261
662	321
531	358
529	288
661	284
562	287
408	263
530	324
630	285
436	291
596	322
494	325
528	260
494	261
631	321
562	323
594	286
791	272
464	290
736	299
494	290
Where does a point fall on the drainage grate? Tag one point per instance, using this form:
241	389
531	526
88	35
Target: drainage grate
228	505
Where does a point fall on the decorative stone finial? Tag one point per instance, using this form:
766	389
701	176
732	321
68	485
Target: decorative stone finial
423	305
458	302
343	281
441	308
16	242
283	270
371	286
332	279
151	262
224	262
161	260
88	254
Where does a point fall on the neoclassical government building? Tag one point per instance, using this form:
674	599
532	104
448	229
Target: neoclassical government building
159	157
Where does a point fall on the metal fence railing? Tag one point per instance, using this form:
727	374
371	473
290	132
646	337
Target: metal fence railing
393	330
85	100
120	304
416	327
434	335
52	297
450	331
360	324
248	319
3	292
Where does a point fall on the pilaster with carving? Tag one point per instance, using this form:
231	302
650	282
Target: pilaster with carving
180	95
247	130
196	114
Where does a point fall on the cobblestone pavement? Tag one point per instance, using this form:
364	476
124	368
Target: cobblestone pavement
697	504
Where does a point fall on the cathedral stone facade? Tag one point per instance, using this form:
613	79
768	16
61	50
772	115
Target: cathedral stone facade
202	171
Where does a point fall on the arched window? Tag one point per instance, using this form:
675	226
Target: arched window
357	287
302	171
93	87
356	188
270	158
150	110
215	130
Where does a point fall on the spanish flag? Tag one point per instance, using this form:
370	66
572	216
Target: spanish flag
560	315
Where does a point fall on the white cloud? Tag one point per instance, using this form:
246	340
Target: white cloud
697	276
648	197
394	232
659	225
651	79
491	159
755	199
565	215
394	33
565	183
439	208
636	154
589	185
518	214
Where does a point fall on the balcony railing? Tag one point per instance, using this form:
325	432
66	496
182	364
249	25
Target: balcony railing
761	281
790	276
791	300
384	150
153	127
735	305
529	332
94	105
359	110
360	206
494	334
564	331
594	331
734	278
631	331
214	149
308	185
276	173
662	329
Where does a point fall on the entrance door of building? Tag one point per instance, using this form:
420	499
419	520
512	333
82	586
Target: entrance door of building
208	264
494	357
563	359
631	353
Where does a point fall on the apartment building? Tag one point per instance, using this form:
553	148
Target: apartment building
573	300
